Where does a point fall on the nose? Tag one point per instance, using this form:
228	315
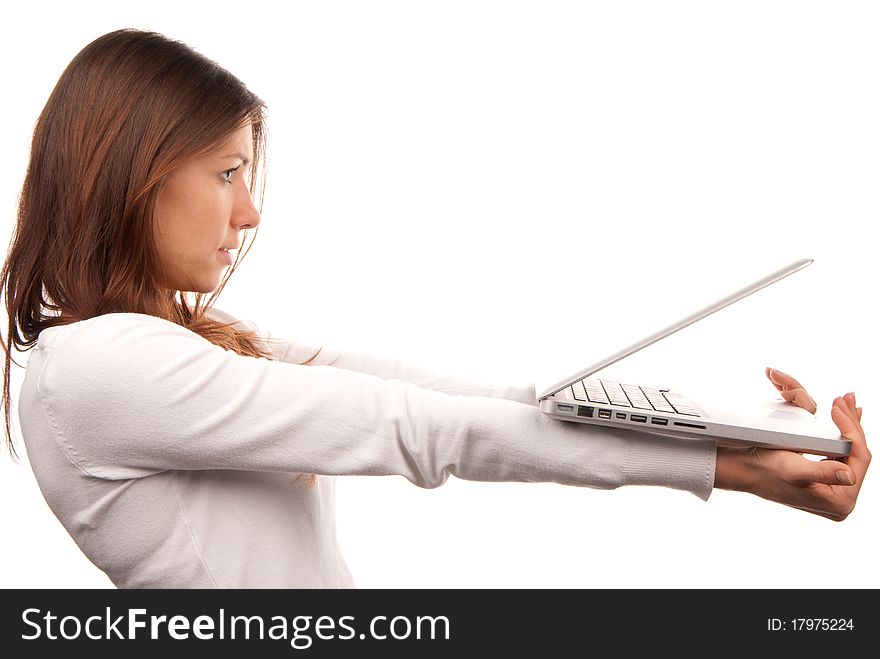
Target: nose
245	214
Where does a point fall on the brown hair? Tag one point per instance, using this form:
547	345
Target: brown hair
130	108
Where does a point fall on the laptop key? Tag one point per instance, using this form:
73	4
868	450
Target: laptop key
595	392
657	400
682	404
579	392
636	397
615	393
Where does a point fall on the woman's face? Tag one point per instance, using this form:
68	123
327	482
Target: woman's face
202	207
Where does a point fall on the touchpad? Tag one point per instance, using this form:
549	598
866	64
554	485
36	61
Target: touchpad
784	415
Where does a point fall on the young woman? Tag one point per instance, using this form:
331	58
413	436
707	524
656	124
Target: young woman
180	446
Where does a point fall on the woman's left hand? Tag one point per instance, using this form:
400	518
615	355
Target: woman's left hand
828	487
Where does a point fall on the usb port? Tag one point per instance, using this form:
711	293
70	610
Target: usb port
659	421
604	414
638	417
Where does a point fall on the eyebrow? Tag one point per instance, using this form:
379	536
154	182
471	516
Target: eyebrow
244	159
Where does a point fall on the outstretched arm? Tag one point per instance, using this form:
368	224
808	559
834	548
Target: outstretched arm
129	395
386	367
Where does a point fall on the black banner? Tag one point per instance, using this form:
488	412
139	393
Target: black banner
402	622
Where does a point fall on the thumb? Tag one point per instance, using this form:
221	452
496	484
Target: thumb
836	473
827	471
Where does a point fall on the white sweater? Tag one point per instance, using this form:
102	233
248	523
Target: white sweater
174	463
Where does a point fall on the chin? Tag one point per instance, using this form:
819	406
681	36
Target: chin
205	282
200	287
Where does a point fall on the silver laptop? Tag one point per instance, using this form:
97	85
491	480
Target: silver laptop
584	397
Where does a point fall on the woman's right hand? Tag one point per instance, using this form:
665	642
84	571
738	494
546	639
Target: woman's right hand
828	487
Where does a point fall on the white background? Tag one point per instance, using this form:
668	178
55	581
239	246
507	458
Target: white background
482	185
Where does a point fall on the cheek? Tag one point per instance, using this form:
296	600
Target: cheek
205	208
187	215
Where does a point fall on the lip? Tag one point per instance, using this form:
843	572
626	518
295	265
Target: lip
228	256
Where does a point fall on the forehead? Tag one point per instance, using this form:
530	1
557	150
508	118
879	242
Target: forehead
242	137
240	142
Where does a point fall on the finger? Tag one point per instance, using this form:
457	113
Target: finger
769	372
830	472
841	402
784	383
859	456
781	379
850	400
800	398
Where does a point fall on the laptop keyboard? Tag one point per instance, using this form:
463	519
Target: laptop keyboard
634	396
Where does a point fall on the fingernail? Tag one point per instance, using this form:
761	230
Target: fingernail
844	477
778	372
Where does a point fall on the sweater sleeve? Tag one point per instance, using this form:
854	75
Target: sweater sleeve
129	395
384	366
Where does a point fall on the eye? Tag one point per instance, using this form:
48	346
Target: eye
228	174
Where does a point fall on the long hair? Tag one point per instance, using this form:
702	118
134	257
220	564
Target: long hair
129	109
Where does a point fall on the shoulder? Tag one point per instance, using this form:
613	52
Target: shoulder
109	332
226	317
107	350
